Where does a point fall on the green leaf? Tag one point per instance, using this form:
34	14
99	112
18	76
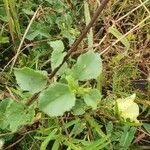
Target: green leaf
56	145
147	127
114	31
95	125
32	35
57	45
73	85
28	11
72	122
3	106
96	144
3	16
31	80
47	140
127	137
92	98
56	99
38	29
78	128
50	1
88	66
4	40
57	54
79	108
109	127
17	115
119	57
64	70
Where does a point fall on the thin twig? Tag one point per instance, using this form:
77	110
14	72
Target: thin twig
131	11
123	36
65	129
13	144
32	99
23	38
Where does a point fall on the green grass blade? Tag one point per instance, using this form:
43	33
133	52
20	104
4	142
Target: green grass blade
101	143
115	32
127	137
95	125
147	127
47	140
56	145
15	17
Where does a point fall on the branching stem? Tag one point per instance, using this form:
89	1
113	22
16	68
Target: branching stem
74	46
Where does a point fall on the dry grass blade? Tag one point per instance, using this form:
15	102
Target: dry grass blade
133	29
23	38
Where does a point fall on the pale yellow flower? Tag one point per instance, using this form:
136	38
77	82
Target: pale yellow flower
128	109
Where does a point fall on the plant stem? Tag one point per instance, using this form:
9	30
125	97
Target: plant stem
73	48
80	38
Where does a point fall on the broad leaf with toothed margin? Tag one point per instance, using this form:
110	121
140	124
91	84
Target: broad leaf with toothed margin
17	115
92	98
56	99
57	54
31	80
88	66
